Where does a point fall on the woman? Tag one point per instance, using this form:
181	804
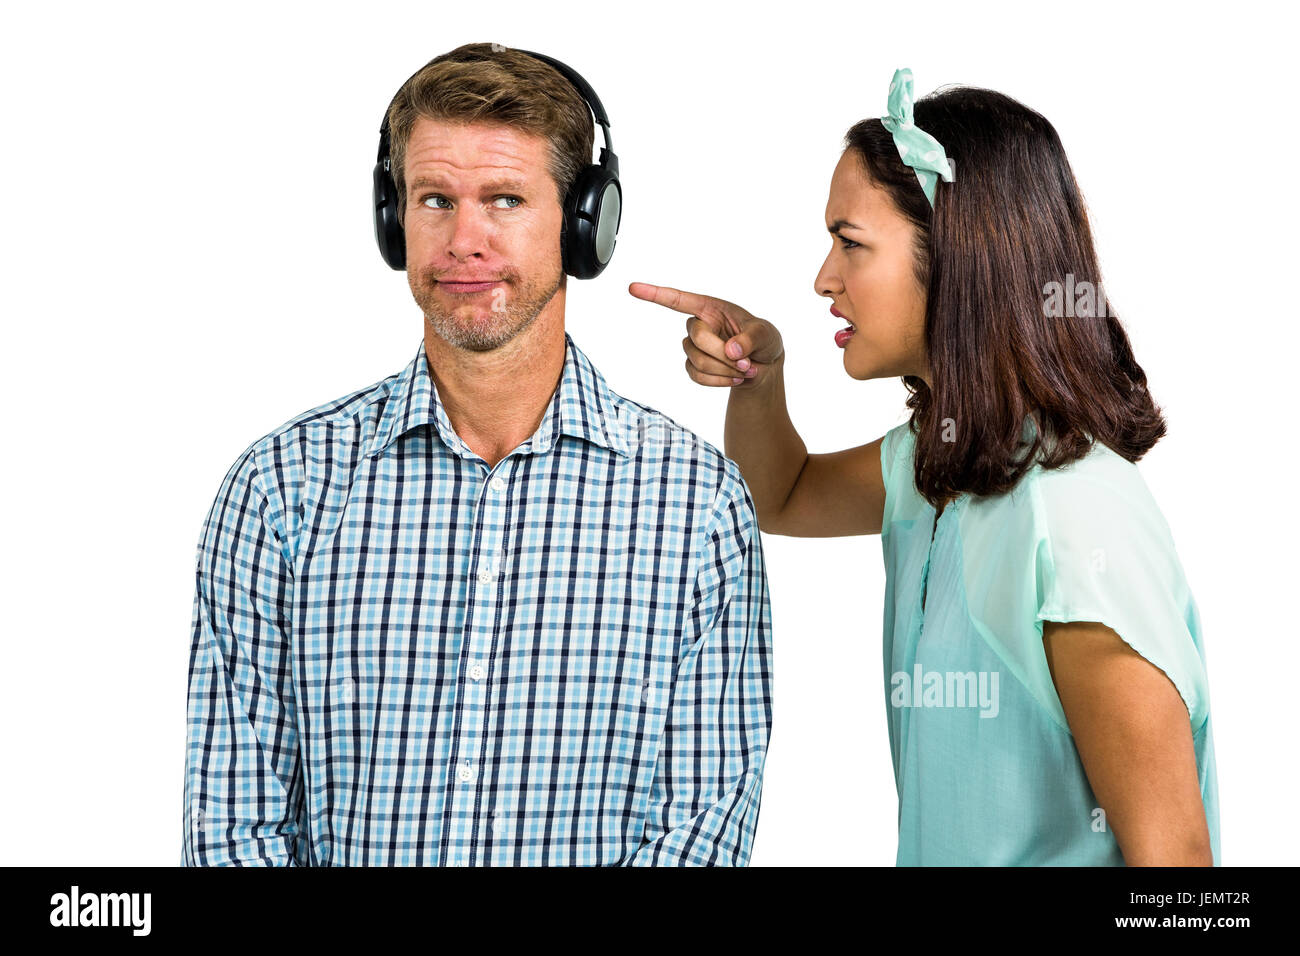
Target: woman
1043	661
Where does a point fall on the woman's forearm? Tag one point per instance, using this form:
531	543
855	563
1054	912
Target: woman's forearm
760	438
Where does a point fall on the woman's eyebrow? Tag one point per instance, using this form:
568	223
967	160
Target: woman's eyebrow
835	227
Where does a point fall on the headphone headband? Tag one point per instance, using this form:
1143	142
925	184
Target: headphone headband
588	94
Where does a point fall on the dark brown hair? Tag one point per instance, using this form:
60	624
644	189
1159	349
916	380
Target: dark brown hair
490	83
1012	222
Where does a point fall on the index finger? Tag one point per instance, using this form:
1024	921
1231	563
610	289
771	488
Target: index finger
689	303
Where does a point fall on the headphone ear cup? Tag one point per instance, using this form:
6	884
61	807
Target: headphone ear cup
389	233
591	221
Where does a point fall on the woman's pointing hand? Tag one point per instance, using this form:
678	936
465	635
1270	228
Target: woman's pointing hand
724	344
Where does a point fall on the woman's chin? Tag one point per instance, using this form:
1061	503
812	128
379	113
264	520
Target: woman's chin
858	369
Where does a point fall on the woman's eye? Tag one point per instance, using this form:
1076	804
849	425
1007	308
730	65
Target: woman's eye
514	200
846	243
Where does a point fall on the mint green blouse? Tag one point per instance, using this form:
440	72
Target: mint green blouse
985	764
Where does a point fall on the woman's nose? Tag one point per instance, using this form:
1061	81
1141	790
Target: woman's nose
827	283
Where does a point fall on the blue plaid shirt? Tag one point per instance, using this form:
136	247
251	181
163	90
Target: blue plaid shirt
403	657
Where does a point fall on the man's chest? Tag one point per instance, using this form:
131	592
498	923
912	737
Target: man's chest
463	599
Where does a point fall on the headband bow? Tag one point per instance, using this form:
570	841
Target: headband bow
916	147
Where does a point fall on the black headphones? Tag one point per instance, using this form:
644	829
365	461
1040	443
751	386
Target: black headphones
593	206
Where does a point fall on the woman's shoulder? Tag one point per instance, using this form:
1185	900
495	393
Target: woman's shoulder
1101	494
1100	464
902	501
1101	487
1084	542
897	444
1089	528
1100	490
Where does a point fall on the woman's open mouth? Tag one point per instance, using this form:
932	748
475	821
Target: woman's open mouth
843	335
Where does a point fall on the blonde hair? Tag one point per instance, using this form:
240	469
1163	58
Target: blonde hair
489	83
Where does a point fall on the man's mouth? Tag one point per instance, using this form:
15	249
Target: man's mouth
467	287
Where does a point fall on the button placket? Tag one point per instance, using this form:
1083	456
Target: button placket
949	509
472	743
925	569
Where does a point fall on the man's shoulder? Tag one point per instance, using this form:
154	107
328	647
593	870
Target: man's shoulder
655	438
341	415
346	412
277	453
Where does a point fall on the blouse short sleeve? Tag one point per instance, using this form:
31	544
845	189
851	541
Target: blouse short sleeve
1110	557
1086	542
894	453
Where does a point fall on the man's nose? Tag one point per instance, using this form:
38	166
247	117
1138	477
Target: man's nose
470	232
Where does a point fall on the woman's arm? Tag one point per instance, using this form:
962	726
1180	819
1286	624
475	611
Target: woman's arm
794	493
798	494
1134	737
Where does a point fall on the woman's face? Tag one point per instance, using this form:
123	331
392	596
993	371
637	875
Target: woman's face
869	277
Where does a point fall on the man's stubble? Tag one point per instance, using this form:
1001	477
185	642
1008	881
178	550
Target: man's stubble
490	321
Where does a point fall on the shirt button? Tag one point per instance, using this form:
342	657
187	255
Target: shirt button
498	485
485	576
476	672
466	772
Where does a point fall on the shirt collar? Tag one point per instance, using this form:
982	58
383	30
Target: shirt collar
582	406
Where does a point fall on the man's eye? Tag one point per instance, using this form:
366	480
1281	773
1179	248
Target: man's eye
436	199
514	200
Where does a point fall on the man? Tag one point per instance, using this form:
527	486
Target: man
485	611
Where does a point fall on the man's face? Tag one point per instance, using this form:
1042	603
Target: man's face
482	225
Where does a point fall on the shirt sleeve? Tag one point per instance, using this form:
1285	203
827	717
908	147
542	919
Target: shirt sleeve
889	450
900	489
1106	554
1085	542
243	785
704	801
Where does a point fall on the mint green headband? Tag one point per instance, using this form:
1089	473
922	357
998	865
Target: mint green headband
916	147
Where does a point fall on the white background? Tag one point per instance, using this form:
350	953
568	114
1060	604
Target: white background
189	262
